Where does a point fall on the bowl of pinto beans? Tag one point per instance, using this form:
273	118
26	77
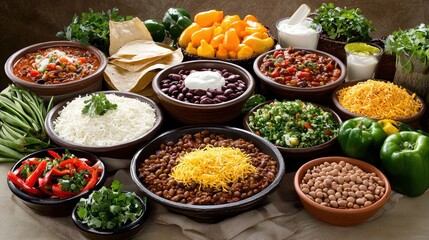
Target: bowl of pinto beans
306	74
52	181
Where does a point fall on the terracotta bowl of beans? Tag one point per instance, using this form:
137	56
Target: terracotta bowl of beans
300	73
340	190
196	102
118	133
378	99
62	69
161	169
300	130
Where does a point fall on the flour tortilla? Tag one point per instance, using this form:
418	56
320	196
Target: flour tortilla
124	32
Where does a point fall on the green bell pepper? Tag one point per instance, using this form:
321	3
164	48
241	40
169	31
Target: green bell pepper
176	20
362	138
405	161
156	29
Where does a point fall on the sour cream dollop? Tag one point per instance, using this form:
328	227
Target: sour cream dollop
204	80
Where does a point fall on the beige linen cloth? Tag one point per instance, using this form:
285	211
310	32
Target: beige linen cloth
281	217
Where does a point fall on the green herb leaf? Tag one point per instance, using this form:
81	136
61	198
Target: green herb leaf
413	42
92	28
343	24
98	104
109	208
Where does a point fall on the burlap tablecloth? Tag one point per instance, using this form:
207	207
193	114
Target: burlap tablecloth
282	217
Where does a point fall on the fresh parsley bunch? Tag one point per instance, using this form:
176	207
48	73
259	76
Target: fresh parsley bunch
92	28
347	25
109	208
413	42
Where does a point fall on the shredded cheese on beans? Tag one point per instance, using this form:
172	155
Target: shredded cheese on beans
379	100
216	167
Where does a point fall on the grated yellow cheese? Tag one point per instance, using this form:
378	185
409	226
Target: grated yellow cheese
379	100
216	167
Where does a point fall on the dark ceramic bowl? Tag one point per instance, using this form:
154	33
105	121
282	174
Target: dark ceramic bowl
337	216
346	114
55	206
127	231
123	150
208	213
62	91
298	155
192	113
313	94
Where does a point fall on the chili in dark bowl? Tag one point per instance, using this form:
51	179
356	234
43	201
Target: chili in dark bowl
56	65
300	68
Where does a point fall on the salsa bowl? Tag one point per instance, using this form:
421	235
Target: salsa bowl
299	73
56	206
62	69
97	136
160	180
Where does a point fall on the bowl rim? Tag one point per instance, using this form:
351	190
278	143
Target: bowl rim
334	97
58	107
10	62
356	162
208	208
295	150
274	84
250	84
54	201
124	228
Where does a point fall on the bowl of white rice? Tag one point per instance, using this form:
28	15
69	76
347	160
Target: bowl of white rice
117	133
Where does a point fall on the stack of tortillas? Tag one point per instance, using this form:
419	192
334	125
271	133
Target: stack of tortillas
135	58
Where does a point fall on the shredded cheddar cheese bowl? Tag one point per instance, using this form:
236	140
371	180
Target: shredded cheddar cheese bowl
378	99
118	134
219	161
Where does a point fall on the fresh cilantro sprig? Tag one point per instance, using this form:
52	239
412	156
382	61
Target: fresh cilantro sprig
92	28
343	24
98	104
413	42
109	208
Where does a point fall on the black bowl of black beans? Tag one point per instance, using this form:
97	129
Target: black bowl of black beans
204	91
160	169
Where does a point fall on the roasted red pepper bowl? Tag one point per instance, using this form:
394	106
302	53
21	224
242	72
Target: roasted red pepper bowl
298	73
62	69
300	130
76	175
341	190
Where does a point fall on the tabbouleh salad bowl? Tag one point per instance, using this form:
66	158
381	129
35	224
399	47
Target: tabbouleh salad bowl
296	155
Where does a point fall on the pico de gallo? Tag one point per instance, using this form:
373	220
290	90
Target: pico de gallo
56	65
300	68
56	176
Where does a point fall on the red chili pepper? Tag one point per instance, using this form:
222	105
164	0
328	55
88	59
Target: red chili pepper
32	179
69	161
91	183
44	181
56	189
54	154
56	171
21	184
31	161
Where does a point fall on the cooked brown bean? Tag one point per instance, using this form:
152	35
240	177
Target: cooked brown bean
163	161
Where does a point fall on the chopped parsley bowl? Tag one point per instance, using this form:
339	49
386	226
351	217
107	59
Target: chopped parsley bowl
110	211
293	124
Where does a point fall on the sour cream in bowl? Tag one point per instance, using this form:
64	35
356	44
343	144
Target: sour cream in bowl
302	35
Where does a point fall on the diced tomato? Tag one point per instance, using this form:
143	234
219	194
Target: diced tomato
82	59
327	132
307	125
291	70
275	73
64	60
34	73
285	63
51	66
303	75
277	53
